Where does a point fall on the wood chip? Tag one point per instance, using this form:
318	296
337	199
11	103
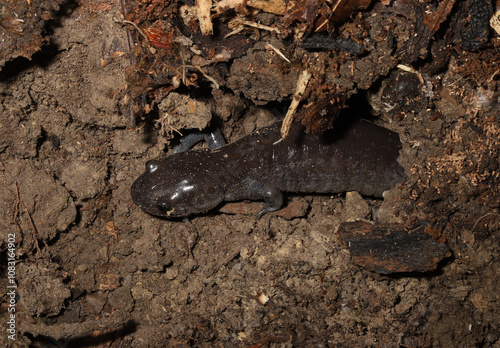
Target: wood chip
393	248
278	7
203	13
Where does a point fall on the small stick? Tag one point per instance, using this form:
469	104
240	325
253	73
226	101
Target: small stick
203	13
271	47
413	71
124	21
260	26
235	31
240	23
301	87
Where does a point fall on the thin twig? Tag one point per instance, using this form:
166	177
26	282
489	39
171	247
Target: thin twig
261	26
278	52
133	60
124	21
240	23
482	217
130	40
16	210
301	87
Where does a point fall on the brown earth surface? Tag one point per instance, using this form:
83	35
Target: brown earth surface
86	100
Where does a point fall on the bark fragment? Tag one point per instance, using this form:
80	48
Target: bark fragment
392	248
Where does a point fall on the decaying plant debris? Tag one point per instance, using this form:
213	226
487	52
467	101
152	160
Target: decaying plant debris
91	90
343	56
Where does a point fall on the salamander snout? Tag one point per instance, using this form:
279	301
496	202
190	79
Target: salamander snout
171	189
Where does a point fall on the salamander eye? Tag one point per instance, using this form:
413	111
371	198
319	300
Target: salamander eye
163	207
151	166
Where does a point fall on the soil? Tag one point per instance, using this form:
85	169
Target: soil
81	113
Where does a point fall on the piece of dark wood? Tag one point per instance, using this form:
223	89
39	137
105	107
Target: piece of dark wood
392	248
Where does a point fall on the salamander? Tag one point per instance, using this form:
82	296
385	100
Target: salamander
358	157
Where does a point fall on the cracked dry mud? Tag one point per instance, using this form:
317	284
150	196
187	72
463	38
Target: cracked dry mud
93	269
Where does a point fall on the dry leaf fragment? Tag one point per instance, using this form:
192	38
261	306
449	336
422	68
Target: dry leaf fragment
158	38
434	19
12	24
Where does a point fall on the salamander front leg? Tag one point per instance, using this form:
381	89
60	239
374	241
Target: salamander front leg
213	138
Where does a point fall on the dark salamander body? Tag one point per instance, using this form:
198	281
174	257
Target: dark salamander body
361	157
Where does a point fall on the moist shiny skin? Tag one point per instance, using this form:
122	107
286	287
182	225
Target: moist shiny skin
360	157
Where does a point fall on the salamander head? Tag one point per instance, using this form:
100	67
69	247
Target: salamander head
177	186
